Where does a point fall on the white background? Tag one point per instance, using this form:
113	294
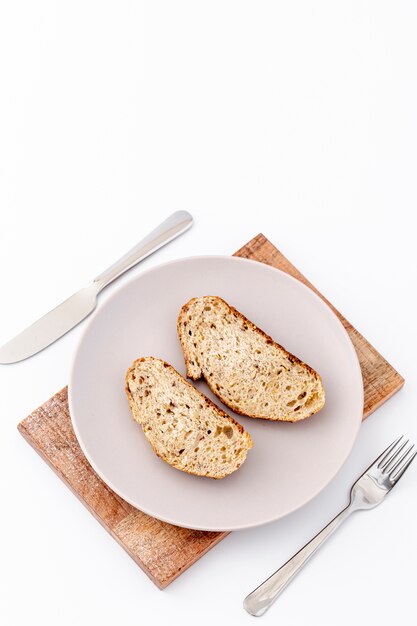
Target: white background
296	119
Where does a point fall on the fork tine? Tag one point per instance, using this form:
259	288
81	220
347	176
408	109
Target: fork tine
396	477
382	457
393	456
400	460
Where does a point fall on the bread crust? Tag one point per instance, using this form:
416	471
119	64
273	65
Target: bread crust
295	360
206	400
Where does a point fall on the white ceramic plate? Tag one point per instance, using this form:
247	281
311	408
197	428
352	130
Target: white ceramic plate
288	464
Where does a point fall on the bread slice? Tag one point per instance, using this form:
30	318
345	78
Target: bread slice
184	427
243	366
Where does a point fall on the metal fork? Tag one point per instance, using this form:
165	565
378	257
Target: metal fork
366	493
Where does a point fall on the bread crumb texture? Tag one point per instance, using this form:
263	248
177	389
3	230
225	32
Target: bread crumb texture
243	366
184	427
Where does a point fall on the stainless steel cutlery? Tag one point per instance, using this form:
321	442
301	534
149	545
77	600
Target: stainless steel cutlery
65	316
366	493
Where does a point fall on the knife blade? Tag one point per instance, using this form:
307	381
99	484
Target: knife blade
77	307
50	327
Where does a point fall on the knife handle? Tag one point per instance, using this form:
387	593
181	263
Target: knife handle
174	225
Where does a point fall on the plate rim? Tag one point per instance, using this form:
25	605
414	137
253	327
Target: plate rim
209	257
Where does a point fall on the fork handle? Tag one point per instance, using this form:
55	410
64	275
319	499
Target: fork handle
265	595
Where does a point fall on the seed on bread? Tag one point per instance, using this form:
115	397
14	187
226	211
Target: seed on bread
243	366
185	428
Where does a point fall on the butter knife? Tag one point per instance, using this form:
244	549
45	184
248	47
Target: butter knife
72	311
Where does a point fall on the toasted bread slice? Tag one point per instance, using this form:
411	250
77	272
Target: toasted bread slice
243	366
184	427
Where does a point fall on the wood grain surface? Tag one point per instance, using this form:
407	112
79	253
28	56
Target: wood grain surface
164	551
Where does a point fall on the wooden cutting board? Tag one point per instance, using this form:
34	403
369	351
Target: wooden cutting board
164	551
